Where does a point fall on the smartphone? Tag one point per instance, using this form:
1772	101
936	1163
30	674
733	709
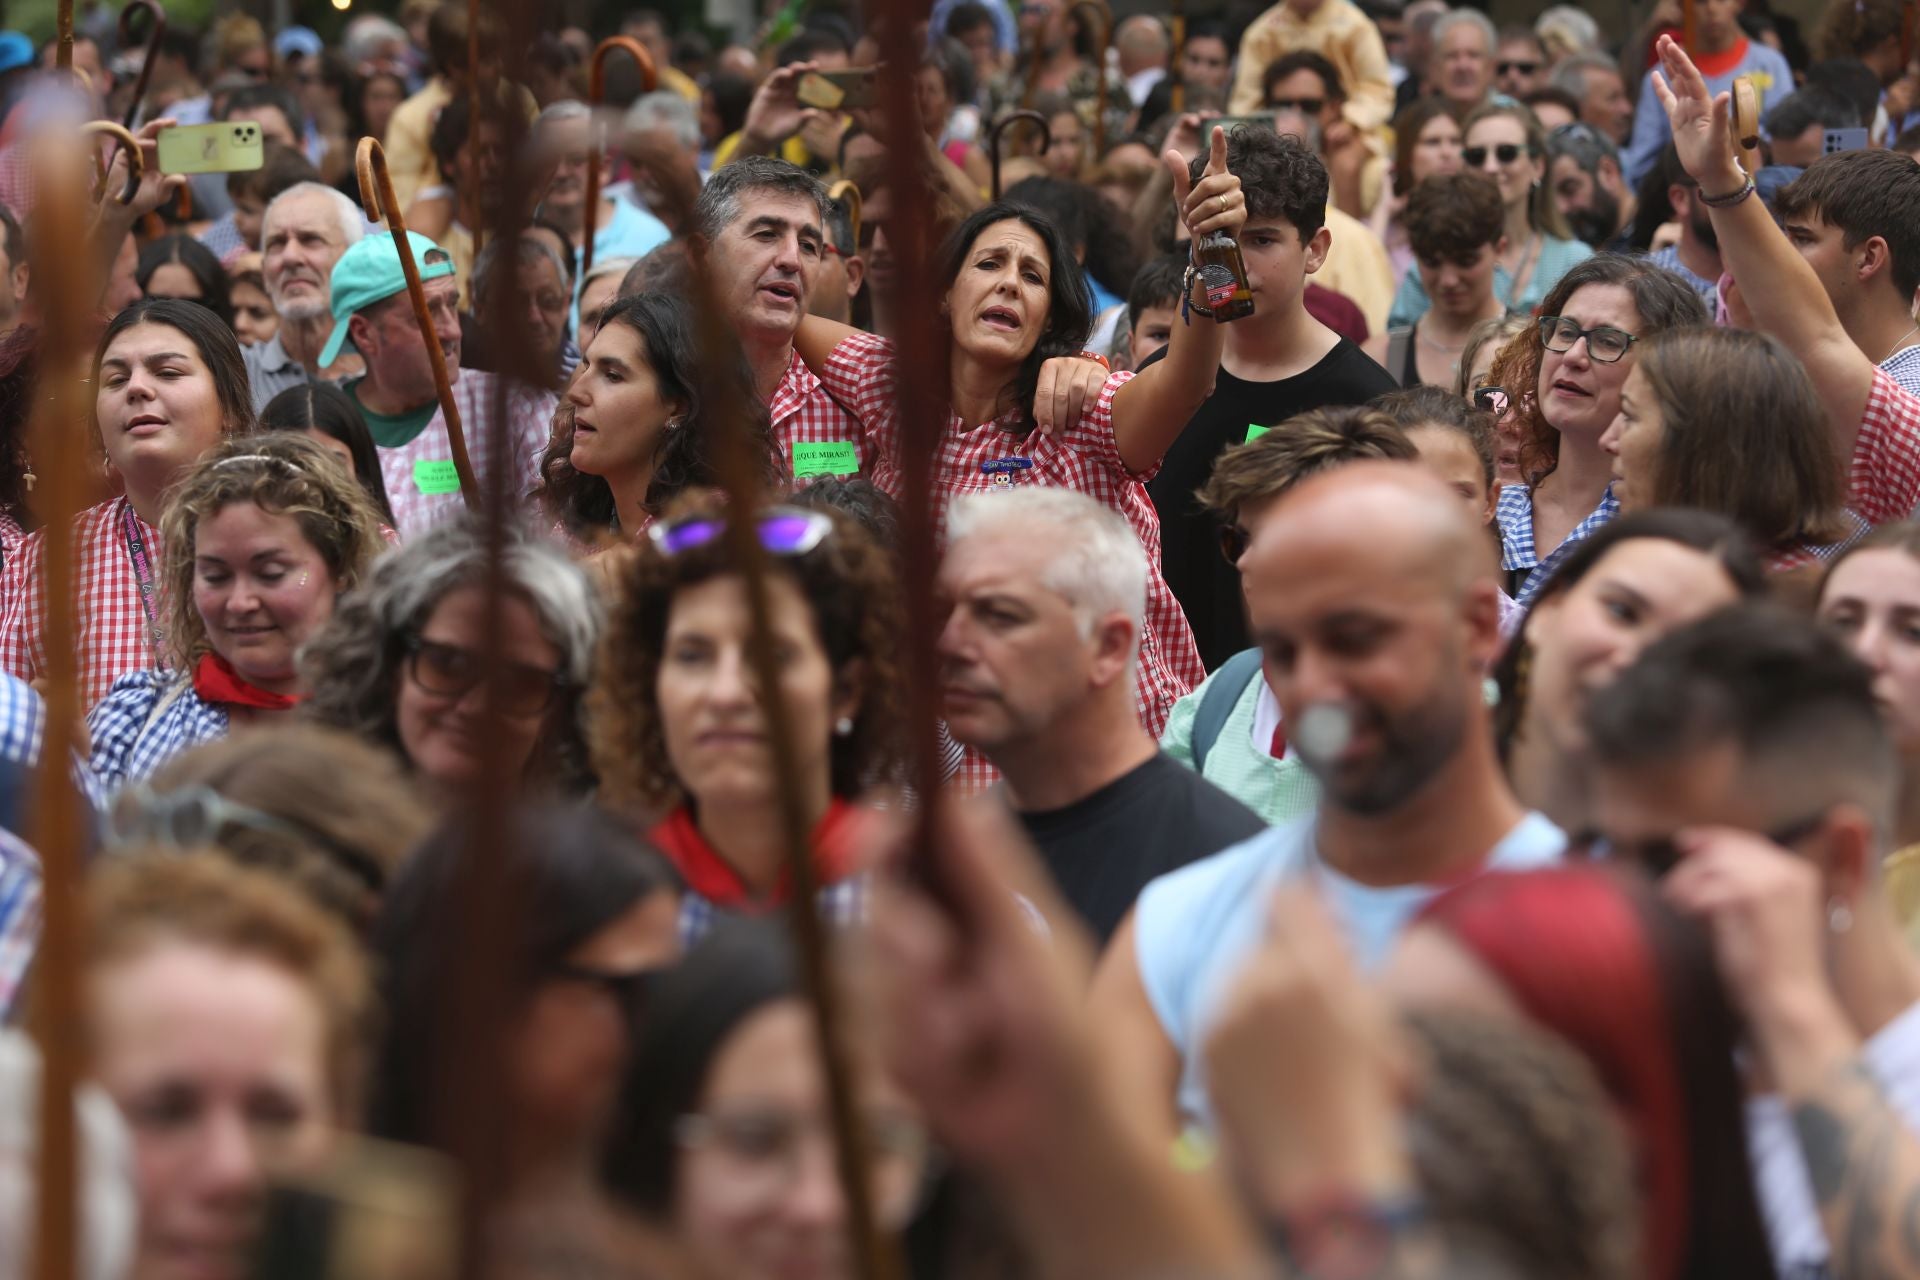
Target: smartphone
1259	120
1843	140
376	1211
230	146
837	90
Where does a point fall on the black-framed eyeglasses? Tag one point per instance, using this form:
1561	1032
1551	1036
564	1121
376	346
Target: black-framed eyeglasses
1305	106
451	671
1494	400
1234	541
1604	342
1507	68
1505	153
1657	855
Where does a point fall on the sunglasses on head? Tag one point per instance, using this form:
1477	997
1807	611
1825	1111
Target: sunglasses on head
1492	399
783	531
1505	153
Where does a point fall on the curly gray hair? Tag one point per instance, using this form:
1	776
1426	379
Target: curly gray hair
353	664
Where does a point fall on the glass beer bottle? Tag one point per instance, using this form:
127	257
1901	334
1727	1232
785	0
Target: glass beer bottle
1223	276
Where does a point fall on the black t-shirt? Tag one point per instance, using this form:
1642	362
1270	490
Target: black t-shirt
1207	586
1151	820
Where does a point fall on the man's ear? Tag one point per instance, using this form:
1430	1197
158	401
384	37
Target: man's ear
1115	641
856	268
1875	257
360	332
1681	198
1317	249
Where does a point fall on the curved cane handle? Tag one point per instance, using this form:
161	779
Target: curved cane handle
848	194
1744	120
596	92
1000	127
136	160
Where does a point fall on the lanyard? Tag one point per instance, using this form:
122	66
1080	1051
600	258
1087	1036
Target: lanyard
142	575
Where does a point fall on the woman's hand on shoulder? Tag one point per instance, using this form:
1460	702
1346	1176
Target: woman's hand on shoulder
1069	387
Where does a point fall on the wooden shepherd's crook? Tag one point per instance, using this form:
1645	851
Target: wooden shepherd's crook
1102	45
596	90
376	197
1689	28
136	162
1177	22
1000	127
848	194
63	35
154	33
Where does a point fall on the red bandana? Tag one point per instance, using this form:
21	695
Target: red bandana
835	857
215	680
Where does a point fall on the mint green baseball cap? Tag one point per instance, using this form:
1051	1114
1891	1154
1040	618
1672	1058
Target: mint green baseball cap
369	272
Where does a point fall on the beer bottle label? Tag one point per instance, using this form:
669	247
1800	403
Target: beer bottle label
1217	279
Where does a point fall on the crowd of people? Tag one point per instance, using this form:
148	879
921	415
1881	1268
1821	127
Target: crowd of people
592	763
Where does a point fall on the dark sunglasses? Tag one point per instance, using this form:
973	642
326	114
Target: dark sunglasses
1234	541
783	531
1657	855
1505	153
1524	68
1305	106
450	671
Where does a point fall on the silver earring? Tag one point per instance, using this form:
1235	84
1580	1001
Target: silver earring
1839	917
674	424
844	726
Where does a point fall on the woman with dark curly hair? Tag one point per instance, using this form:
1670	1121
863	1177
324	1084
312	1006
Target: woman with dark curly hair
1564	379
402	662
677	727
631	431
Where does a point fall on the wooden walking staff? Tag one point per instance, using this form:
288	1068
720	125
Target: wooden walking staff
1177	24
377	198
135	171
66	276
1000	127
1689	28
1102	46
596	91
154	33
63	35
738	468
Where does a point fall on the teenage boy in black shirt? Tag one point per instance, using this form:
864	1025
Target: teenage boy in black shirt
1279	361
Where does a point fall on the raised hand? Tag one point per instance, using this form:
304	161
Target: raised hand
776	113
1215	203
1699	120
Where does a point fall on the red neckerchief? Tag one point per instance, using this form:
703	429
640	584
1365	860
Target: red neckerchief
1718	64
215	680
835	857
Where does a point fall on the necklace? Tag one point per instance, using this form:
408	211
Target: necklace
1425	341
1900	344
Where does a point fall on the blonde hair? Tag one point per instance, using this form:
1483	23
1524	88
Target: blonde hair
151	896
284	474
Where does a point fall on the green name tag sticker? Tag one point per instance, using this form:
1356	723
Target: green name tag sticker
436	476
834	458
1255	431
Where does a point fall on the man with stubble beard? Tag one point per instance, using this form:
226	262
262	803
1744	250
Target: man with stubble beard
303	233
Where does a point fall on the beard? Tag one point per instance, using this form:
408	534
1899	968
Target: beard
1597	223
298	311
1415	744
1702	223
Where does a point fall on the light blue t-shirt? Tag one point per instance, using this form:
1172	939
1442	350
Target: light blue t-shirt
1555	259
1195	927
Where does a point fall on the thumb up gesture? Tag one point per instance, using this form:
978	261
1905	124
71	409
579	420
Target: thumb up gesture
1215	202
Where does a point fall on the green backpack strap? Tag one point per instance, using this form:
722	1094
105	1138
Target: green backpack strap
1217	703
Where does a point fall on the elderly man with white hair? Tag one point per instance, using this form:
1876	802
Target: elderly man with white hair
1462	67
303	233
562	137
1047	590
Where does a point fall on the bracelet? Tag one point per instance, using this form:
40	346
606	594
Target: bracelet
1097	358
1187	311
1730	199
1340	1236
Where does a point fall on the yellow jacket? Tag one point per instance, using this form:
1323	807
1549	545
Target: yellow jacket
1338	32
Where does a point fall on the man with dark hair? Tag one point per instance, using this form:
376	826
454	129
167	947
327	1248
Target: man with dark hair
1796	126
842	269
1732	750
1337	31
1456	227
1519	62
14	271
1695	256
1583	172
1855	217
1552	107
1206	61
1303	82
1378	619
1279	361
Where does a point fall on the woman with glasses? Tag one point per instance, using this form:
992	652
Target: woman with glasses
1564	379
1505	142
225	1016
591	917
631	433
678	729
722	1134
261	537
1726	420
1611	596
404	662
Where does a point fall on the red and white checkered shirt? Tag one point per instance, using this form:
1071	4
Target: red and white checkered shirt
1085	457
1883	483
110	621
418	473
803	413
11	536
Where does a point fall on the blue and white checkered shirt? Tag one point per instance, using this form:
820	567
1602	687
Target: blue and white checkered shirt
19	916
146	719
842	904
1515	517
